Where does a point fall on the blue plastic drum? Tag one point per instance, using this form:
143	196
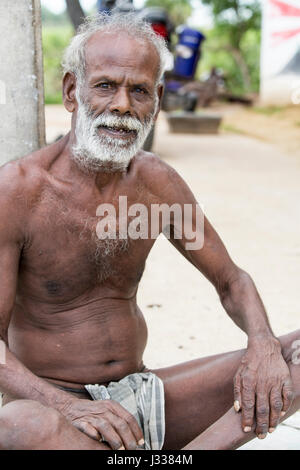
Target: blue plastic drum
188	52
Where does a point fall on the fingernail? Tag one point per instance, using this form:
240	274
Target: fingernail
262	436
283	413
247	429
271	430
141	442
236	406
122	448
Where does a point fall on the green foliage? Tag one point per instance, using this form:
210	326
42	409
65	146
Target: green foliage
236	11
55	40
221	59
179	10
217	53
250	49
235	17
234	42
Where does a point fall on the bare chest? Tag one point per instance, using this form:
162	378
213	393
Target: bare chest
65	256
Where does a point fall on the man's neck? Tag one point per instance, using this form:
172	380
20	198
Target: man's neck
73	172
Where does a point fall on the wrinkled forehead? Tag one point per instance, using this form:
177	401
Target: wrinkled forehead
119	50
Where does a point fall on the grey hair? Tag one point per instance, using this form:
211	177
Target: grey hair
74	57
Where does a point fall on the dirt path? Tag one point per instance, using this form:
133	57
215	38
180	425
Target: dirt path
278	126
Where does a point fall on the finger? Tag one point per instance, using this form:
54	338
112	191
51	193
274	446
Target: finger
262	414
248	403
88	429
122	428
287	395
131	421
108	433
237	393
276	405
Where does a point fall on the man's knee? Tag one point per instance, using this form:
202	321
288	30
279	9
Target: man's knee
291	352
290	344
24	424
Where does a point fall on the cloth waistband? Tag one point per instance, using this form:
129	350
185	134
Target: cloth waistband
84	391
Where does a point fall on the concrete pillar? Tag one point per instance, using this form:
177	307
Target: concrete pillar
22	122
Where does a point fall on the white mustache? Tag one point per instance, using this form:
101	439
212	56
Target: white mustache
94	151
125	122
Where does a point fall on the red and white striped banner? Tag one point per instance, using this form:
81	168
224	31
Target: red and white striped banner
280	58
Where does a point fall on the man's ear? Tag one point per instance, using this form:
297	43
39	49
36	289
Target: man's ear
69	92
160	93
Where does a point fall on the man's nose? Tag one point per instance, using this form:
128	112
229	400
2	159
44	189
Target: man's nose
121	102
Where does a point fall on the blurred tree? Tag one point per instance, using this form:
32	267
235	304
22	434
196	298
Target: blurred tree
179	10
234	19
75	12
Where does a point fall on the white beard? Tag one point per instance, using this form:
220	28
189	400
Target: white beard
95	152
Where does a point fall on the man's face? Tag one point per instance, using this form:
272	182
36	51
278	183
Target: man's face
118	101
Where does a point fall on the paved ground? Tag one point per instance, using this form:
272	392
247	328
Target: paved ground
250	191
286	437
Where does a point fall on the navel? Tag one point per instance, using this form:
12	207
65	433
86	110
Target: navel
53	287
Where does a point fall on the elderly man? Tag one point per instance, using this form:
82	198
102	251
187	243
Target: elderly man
72	372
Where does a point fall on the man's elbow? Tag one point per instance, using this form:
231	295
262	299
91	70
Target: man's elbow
235	288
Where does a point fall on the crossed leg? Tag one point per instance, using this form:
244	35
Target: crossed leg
199	394
28	425
199	399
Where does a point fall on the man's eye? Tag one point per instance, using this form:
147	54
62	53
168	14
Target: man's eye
140	90
104	86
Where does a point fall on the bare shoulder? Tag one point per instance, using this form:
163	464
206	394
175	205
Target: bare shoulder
18	179
25	176
17	184
161	179
153	171
21	182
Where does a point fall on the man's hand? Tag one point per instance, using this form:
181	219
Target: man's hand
262	386
105	420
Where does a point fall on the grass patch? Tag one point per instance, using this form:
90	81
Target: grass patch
268	110
232	129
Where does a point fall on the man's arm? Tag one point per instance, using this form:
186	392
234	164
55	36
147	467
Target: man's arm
15	379
105	419
262	385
